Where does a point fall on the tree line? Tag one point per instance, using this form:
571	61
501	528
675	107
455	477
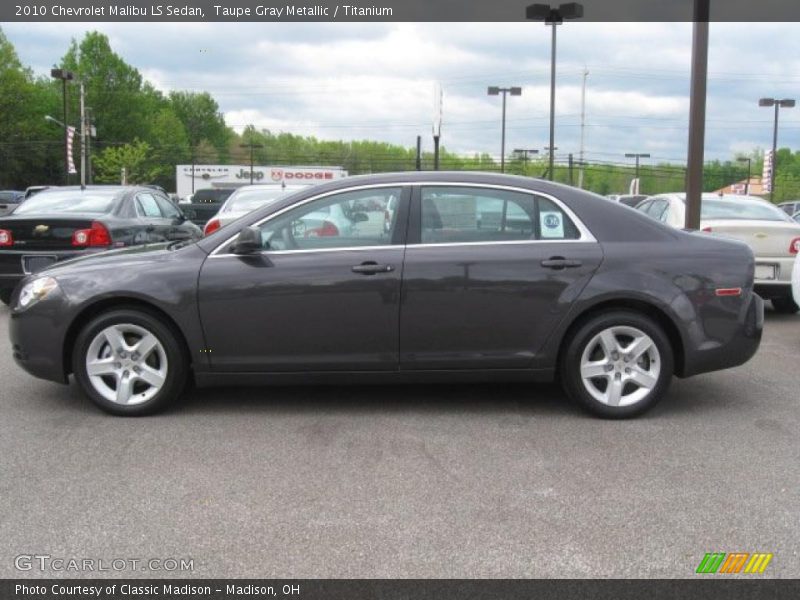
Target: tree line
148	132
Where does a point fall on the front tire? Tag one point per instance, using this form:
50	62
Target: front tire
785	305
129	362
617	365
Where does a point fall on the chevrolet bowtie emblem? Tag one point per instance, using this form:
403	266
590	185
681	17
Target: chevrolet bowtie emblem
761	236
41	229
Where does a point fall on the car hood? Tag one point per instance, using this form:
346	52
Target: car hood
117	259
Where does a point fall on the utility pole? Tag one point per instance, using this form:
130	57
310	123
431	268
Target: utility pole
494	91
419	153
583	127
571	181
252	146
778	104
697	114
92	133
64	76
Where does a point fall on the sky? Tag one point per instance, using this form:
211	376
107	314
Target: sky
376	81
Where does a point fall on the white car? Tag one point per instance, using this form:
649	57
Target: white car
773	236
246	199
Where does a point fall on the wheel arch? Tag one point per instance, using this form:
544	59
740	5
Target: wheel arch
94	309
643	307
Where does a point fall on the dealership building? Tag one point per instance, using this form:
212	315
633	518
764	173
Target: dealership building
190	178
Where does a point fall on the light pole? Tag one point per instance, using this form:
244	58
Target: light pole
637	156
553	16
749	164
252	147
64	76
778	104
495	91
524	153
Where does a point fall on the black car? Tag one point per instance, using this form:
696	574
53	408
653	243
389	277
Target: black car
205	204
64	222
600	296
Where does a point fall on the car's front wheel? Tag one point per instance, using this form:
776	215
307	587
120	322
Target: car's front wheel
617	365
785	305
129	362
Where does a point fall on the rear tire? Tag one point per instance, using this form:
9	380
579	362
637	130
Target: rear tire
129	362
617	365
785	305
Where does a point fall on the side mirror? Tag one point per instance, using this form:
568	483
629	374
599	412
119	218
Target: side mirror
248	241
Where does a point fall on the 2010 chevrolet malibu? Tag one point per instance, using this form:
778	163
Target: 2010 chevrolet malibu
439	277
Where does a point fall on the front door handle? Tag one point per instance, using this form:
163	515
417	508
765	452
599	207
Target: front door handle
371	268
559	262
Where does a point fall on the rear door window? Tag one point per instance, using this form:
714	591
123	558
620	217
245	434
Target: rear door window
146	206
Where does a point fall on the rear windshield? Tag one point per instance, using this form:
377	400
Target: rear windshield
740	209
210	196
68	201
247	200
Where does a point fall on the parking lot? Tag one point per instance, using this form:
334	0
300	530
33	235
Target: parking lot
409	481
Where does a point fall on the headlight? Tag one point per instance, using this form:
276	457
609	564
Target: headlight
36	290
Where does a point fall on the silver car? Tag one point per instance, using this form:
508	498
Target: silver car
246	199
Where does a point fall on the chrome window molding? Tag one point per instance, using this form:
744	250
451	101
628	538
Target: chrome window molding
585	235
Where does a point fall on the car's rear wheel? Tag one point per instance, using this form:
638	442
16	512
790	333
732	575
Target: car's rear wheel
617	365
5	296
129	362
785	305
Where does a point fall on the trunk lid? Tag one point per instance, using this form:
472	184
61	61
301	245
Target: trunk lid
765	238
44	233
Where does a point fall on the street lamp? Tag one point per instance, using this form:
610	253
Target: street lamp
496	91
749	163
778	104
64	76
252	147
553	16
637	156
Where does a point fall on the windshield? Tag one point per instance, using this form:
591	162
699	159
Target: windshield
740	209
247	200
68	201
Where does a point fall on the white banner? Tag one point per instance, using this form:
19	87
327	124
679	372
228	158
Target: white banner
766	175
70	161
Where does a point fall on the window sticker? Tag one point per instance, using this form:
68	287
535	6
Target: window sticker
551	224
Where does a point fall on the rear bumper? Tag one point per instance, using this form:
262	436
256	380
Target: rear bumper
778	289
11	272
737	350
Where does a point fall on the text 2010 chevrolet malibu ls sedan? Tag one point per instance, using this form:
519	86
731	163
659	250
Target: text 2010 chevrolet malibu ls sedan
477	277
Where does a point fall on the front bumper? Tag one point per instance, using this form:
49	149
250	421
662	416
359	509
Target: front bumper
737	350
37	337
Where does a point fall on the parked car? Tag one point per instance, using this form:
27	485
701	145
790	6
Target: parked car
204	204
66	222
630	199
796	280
35	189
612	302
772	234
9	199
790	208
246	199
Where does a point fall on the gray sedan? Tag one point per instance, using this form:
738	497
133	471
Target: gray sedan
608	301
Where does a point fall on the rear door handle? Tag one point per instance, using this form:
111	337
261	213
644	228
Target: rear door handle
559	262
371	268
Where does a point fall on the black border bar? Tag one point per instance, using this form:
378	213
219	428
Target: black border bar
381	10
705	587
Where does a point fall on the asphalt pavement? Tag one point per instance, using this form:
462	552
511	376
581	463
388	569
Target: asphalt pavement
407	481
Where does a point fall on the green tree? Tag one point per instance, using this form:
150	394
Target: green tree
135	158
201	118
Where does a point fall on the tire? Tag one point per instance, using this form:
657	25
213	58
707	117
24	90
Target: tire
785	305
153	378
5	296
622	388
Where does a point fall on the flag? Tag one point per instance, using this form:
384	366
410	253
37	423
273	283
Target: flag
70	161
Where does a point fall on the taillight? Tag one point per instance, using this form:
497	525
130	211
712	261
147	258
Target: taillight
794	246
94	237
6	239
211	226
706	229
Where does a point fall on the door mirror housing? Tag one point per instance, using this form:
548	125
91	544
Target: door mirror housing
248	241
